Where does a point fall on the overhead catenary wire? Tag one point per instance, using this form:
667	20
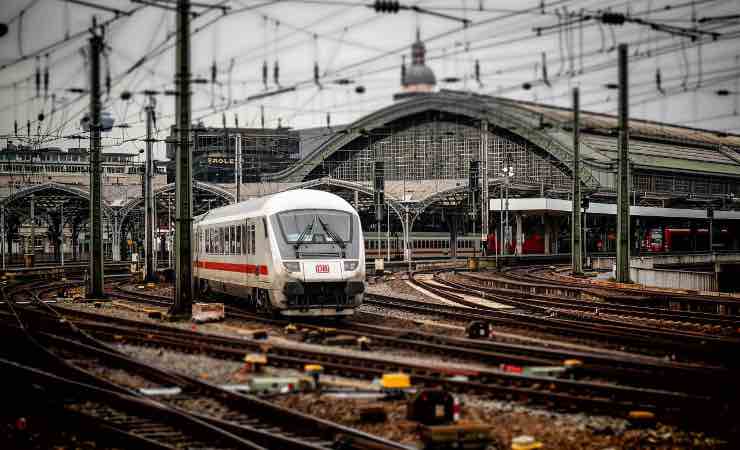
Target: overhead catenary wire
328	74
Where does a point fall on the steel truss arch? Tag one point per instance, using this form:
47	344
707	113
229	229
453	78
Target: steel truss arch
498	113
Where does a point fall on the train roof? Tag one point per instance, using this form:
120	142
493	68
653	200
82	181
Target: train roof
275	203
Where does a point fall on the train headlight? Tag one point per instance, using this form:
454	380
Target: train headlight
351	265
292	266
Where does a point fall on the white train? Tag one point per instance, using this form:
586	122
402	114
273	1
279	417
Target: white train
296	253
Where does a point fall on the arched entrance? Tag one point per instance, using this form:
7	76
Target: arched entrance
49	221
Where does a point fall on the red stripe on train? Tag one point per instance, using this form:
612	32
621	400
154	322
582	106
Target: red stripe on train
233	267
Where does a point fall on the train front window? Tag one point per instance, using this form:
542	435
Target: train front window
317	234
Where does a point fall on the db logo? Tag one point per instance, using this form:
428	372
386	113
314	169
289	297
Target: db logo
322	268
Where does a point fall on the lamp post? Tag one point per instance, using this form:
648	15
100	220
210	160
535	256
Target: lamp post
61	233
2	234
508	172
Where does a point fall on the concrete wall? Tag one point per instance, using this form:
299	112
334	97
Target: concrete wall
676	279
642	271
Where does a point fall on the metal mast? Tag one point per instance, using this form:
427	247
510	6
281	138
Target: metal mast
484	180
238	166
148	195
96	198
575	232
183	301
623	180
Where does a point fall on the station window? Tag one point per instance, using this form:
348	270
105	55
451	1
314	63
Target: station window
238	249
220	243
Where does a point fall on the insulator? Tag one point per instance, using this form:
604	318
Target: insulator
403	69
477	71
316	73
213	72
223	119
15	126
41	117
38	78
659	81
386	6
236	120
107	83
360	89
612	18
46	77
28	128
264	73
328	120
276	74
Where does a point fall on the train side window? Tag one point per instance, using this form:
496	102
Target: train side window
238	240
227	240
253	238
232	249
243	229
220	243
230	245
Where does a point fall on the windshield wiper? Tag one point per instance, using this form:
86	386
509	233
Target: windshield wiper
334	236
303	235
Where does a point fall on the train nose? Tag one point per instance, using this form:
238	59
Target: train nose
322	270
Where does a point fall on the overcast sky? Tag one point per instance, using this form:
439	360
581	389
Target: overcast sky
351	41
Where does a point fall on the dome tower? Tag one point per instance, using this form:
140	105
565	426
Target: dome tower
418	78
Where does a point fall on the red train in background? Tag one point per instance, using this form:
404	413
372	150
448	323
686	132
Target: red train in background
533	244
657	240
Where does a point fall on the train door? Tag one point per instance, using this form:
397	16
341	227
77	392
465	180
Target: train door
250	274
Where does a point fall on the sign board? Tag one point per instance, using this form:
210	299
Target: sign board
219	161
206	312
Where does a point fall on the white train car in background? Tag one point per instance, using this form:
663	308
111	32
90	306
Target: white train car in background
298	252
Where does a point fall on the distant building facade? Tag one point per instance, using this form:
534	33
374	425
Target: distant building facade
264	150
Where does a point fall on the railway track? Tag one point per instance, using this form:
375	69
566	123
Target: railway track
694	304
110	418
557	393
237	421
637	371
534	301
642	339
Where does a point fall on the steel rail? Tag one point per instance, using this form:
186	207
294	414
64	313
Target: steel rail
643	371
249	418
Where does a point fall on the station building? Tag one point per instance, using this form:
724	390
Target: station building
214	152
681	178
685	182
